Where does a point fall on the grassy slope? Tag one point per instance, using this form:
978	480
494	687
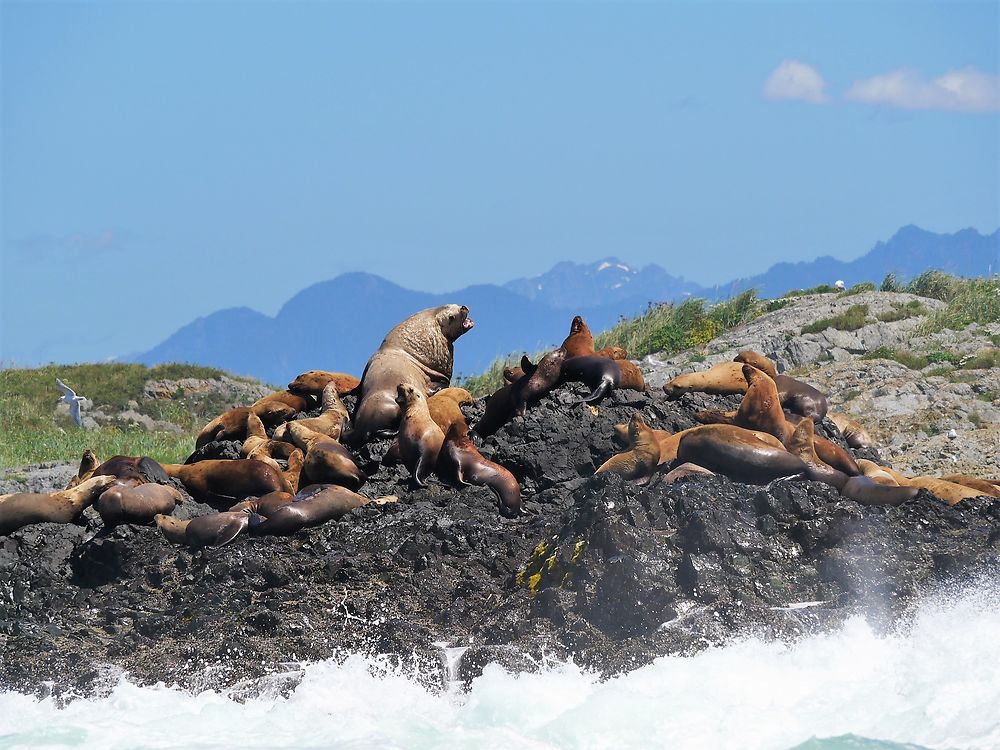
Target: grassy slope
30	431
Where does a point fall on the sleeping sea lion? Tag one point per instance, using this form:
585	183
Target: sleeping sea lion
221	482
293	401
313	382
460	463
984	486
737	453
330	422
326	460
854	433
133	470
420	438
213	530
24	508
266	504
643	456
418	352
877	473
313	506
232	425
139	505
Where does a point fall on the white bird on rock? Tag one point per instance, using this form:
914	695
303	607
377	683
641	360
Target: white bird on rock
70	397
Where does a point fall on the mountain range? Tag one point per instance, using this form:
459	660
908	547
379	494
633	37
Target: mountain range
354	311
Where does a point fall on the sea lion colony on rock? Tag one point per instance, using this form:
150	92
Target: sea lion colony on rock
405	389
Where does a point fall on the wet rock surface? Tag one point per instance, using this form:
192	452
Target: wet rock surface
613	573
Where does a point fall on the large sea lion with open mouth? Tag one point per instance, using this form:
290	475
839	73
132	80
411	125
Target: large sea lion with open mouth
313	506
419	352
460	463
24	508
221	482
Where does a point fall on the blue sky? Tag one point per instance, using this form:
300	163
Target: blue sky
164	160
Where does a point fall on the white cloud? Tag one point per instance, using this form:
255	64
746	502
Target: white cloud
796	80
962	90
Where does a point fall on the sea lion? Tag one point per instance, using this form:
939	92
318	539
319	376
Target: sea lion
326	460
796	396
867	491
420	438
580	342
419	352
686	470
949	492
213	530
313	382
88	463
216	481
139	505
539	379
499	411
643	456
133	470
600	374
313	506
444	407
758	360
802	444
330	422
854	434
877	473
461	463
24	508
232	425
512	374
738	453
723	379
984	486
293	401
265	505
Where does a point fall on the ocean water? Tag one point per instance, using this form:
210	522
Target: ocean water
934	683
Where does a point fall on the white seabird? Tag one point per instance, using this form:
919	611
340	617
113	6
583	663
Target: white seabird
70	397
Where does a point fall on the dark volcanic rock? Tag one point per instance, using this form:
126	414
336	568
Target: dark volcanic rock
614	573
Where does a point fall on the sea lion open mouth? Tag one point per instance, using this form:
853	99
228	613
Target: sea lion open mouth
467	323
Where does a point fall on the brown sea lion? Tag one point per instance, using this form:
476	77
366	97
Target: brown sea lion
330	422
24	508
686	470
232	425
538	381
293	401
738	453
444	407
866	491
796	396
612	352
877	473
313	382
758	360
420	437
461	463
326	460
499	411
643	456
418	352
313	506
723	379
133	470
802	444
222	482
854	433
580	343
139	504
951	492
88	463
266	504
512	374
600	374
984	486
213	530
258	445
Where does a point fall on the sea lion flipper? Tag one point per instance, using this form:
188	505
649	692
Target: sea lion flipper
599	392
423	469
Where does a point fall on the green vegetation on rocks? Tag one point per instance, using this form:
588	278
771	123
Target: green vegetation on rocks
854	318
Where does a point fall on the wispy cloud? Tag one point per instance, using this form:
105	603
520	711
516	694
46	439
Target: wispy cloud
963	90
794	79
74	244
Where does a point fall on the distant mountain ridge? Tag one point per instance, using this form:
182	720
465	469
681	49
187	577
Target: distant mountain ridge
337	324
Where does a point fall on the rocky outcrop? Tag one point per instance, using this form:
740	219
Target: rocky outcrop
613	573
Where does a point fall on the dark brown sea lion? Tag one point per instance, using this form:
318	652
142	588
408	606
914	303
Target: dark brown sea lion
221	482
139	505
313	506
641	459
499	411
460	463
24	508
796	396
418	352
600	374
737	453
265	505
212	531
88	463
512	374
420	438
326	460
982	485
539	379
132	469
330	422
313	382
854	433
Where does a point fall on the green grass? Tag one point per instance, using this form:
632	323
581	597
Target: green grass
492	379
821	289
864	286
852	319
918	361
911	309
30	432
969	301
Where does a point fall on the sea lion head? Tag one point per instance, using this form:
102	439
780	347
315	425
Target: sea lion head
454	320
577	326
407	395
636	426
